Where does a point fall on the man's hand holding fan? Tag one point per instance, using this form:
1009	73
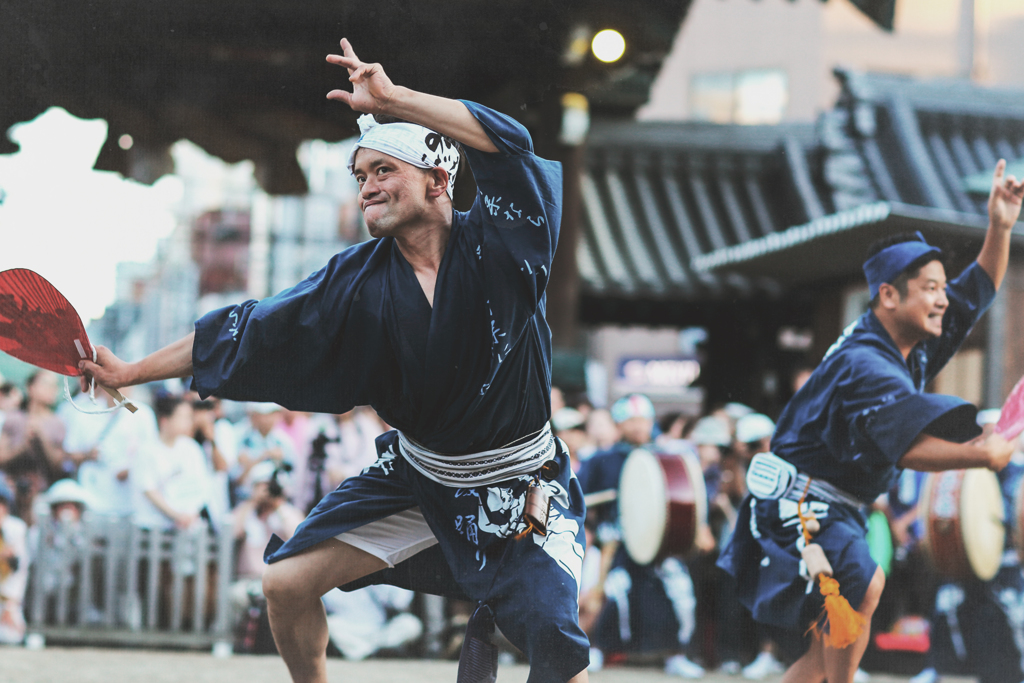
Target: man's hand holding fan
40	326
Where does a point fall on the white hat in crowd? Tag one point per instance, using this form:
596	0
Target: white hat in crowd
711	431
262	408
737	410
567	418
67	491
262	471
754	427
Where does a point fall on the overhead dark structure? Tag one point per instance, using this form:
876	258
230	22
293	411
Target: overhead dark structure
895	154
882	12
656	196
835	246
247	80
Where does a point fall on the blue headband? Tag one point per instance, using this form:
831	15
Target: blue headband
886	265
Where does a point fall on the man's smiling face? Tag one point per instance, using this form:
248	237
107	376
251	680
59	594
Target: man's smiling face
924	306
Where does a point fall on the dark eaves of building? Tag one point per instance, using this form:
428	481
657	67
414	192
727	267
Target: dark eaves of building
696	213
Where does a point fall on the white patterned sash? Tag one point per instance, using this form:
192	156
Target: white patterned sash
481	469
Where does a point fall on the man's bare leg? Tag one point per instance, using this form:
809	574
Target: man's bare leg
293	587
838	665
810	668
581	677
841	665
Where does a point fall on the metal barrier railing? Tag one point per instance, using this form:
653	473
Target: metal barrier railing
107	581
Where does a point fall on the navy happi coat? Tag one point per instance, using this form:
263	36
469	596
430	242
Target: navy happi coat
849	425
470	374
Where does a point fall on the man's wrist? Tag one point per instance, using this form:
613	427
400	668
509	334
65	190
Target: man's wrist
983	456
396	104
134	374
1000	226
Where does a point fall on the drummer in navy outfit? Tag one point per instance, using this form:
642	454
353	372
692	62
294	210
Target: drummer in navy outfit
978	626
438	323
861	416
648	608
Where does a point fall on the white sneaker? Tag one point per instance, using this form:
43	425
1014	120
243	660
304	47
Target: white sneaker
861	676
928	675
730	668
764	665
596	660
403	628
679	665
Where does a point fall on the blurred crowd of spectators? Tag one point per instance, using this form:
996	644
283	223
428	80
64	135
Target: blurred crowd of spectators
181	463
253	470
684	611
697	600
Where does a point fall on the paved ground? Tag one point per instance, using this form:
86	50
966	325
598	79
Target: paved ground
91	665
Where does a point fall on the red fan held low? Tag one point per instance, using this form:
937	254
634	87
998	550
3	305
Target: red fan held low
40	326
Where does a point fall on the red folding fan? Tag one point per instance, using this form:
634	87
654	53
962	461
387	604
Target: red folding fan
40	326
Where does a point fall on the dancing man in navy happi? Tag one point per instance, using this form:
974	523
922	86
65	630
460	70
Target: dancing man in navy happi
438	323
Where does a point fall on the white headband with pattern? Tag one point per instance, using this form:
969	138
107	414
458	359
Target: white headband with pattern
408	142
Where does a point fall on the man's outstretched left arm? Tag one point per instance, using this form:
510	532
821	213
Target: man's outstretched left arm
374	93
1004	202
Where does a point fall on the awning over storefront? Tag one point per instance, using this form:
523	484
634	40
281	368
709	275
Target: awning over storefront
693	211
655	196
835	246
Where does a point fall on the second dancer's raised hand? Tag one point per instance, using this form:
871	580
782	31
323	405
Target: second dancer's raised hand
1004	201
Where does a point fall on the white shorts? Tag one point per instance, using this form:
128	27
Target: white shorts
392	539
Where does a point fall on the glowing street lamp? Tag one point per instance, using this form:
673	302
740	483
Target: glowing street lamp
608	45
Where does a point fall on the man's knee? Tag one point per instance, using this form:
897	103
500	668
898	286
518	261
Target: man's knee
313	572
281	584
874	593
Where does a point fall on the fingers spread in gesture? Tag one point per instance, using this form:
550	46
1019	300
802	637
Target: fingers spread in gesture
372	89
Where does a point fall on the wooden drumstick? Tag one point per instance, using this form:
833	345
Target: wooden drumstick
119	397
601	497
593	600
814	558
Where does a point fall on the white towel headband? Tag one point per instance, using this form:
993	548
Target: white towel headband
408	142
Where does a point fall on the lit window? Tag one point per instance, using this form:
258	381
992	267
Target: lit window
712	98
749	97
761	96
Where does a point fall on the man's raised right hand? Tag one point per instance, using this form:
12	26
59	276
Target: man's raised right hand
372	90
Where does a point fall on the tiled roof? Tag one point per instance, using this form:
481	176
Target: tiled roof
791	204
898	139
835	245
657	195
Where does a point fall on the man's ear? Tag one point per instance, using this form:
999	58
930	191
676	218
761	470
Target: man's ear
888	296
437	182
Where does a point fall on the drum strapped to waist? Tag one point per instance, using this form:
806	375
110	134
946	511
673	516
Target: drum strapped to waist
662	503
963	517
